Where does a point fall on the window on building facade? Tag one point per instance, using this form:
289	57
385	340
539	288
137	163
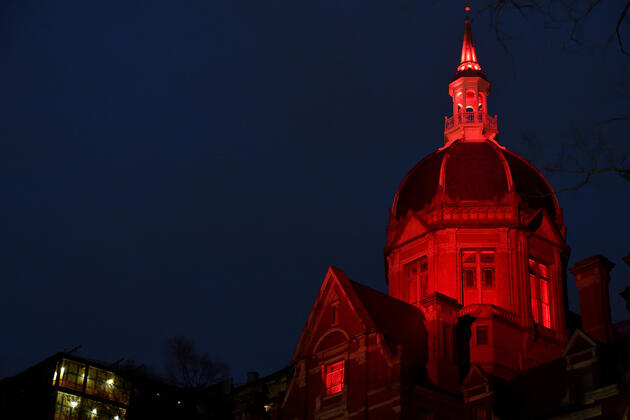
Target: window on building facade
480	412
67	407
69	374
417	276
107	385
482	335
469	268
74	407
478	264
334	377
540	290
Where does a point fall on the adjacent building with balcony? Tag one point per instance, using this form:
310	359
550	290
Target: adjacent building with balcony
66	387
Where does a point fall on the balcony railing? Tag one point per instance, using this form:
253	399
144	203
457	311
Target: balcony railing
470	117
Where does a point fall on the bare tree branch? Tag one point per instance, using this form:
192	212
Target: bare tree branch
622	16
185	367
548	9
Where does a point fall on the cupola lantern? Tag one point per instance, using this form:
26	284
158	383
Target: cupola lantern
469	89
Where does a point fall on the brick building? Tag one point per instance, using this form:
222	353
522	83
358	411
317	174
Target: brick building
476	323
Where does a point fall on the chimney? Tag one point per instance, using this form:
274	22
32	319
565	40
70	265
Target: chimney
592	276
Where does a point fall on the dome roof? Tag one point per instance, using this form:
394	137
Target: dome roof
473	171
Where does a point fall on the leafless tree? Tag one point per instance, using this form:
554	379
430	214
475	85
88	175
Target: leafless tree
188	368
557	12
590	152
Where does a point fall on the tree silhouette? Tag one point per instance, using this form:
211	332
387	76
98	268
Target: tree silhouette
188	368
590	151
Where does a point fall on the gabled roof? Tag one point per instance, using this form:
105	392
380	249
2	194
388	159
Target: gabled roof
541	224
579	341
476	376
398	322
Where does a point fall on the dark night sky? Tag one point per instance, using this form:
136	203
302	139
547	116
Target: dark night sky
193	167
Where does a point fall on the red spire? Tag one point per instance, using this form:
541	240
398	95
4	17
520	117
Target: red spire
469	58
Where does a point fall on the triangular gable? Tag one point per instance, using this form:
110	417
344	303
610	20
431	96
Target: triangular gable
542	225
336	286
579	342
412	228
476	377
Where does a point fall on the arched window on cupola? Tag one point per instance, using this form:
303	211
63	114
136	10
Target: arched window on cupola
470	114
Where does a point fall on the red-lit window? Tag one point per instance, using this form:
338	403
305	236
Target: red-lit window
469	268
480	413
533	286
417	276
545	294
478	264
487	269
540	290
334	377
482	335
488	277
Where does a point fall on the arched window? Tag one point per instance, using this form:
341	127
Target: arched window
470	114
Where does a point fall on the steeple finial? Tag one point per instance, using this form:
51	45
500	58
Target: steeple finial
469	58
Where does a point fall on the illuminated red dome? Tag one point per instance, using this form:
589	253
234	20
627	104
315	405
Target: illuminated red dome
473	171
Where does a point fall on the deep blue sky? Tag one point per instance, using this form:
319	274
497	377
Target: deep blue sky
192	167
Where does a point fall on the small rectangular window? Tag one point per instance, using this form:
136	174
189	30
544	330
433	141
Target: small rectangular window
488	278
482	335
469	278
334	377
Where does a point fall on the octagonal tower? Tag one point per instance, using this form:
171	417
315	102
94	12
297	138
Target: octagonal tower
476	241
